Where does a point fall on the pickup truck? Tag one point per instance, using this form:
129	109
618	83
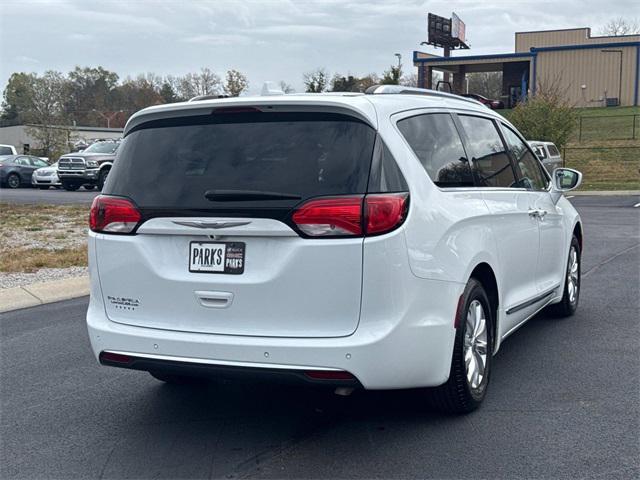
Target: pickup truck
88	168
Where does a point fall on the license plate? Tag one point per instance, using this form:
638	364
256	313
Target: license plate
216	257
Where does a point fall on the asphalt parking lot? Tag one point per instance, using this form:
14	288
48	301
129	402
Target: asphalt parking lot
51	196
564	400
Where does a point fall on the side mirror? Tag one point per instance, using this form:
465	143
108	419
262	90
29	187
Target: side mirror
564	180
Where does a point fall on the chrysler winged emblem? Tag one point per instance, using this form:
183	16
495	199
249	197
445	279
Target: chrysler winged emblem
200	224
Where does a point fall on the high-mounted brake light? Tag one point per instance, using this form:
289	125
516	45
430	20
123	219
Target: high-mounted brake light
352	215
236	110
113	215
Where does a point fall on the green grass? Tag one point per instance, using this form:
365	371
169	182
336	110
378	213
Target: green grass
606	166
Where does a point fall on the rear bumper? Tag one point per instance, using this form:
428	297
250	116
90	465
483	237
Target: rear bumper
203	368
413	350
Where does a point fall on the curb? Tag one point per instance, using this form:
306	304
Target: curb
605	193
43	292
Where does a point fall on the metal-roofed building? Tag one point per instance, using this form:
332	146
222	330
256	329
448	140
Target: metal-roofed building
591	71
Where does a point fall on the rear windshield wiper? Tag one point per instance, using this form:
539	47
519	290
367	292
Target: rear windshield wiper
246	195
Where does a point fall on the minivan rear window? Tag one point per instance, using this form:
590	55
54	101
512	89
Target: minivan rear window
172	163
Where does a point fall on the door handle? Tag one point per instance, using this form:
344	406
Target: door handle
214	299
536	212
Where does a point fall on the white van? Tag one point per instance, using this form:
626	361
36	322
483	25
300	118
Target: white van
385	240
548	154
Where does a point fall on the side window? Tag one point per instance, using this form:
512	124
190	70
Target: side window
489	156
528	168
37	162
22	161
435	141
540	152
553	151
385	174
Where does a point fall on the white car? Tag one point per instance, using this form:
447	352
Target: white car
386	240
548	154
8	150
46	177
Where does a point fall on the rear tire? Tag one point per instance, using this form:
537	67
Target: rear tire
13	180
89	187
176	379
70	186
472	354
571	294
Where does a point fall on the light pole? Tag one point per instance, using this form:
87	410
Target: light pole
107	117
399	60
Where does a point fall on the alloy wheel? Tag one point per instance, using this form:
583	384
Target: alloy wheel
13	181
475	344
573	279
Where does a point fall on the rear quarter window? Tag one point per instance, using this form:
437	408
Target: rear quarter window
553	151
488	153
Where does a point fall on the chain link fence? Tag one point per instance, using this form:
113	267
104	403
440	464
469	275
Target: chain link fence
608	127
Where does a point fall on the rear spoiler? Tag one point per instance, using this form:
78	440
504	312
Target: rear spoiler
364	111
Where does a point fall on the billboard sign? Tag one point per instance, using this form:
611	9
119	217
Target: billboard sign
446	32
439	30
457	28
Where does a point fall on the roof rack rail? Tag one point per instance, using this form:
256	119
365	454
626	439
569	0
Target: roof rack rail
208	97
402	90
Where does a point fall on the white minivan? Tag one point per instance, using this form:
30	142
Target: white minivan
385	240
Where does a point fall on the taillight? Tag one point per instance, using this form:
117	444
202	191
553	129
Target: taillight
356	215
330	217
385	211
113	215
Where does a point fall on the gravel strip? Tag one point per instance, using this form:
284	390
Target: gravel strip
9	280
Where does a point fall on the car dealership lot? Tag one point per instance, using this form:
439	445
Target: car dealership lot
563	402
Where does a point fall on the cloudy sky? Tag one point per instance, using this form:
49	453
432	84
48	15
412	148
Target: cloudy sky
266	39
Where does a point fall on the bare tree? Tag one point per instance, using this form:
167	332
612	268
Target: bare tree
46	110
235	83
410	80
350	83
621	26
487	84
547	115
195	84
285	87
316	81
